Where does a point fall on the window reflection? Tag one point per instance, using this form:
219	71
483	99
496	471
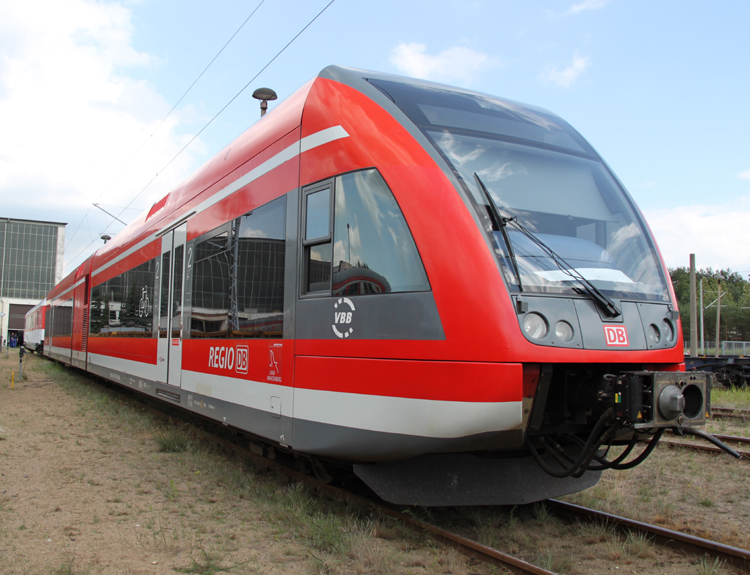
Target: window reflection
573	206
238	277
373	250
319	267
123	306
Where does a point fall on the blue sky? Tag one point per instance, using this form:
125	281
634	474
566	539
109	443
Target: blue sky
660	89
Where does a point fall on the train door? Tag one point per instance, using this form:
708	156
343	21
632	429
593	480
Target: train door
171	301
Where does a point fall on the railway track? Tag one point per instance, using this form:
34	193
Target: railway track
742	445
737	558
730	413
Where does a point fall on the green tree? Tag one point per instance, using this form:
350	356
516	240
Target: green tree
735	302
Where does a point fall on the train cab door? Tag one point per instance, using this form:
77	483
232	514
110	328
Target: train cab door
171	305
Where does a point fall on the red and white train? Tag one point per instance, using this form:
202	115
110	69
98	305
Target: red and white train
448	291
33	335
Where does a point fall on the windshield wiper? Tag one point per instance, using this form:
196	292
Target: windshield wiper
500	223
602	301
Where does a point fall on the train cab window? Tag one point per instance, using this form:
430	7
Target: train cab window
371	250
317	240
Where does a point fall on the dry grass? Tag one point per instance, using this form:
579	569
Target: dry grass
117	489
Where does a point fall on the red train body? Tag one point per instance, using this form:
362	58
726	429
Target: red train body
411	279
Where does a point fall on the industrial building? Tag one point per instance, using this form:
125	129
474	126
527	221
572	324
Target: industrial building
31	263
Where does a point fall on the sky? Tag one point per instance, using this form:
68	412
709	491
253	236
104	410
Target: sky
94	109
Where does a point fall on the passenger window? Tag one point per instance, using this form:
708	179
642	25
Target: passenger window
123	305
238	277
372	250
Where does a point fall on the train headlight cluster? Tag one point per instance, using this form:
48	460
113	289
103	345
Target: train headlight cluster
663	333
535	326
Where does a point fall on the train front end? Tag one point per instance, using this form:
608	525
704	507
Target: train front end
572	299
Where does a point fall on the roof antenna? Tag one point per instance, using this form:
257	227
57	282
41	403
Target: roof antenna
264	94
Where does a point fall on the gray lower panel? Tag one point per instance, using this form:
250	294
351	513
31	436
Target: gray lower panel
434	480
338	442
58	356
465	479
261	423
319	439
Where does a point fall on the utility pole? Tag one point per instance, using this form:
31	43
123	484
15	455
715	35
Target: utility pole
718	277
703	343
693	314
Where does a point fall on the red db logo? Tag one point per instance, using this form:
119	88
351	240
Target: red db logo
616	335
242	358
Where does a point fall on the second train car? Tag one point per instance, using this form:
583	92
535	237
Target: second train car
448	292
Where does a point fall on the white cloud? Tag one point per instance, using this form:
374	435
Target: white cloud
567	76
587	5
71	115
716	234
744	175
458	64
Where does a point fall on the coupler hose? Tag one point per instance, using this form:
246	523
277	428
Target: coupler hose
587	452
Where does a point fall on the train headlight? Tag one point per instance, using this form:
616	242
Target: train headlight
654	333
563	331
668	330
535	326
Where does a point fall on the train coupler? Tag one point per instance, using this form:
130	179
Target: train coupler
661	399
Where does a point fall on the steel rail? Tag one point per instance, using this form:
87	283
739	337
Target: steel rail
741	441
730	413
701	447
734	556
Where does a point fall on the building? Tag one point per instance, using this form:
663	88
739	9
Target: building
31	263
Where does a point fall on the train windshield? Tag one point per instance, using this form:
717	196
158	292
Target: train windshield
551	204
572	207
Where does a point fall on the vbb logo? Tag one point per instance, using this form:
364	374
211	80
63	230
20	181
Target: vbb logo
343	319
616	335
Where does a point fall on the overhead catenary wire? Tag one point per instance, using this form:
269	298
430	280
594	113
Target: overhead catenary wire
164	119
237	95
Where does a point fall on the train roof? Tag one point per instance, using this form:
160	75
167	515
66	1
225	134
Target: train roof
415	100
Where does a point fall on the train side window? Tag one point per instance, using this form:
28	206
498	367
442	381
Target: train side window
210	300
261	257
238	276
123	305
317	239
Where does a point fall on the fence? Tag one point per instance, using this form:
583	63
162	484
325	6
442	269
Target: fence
727	348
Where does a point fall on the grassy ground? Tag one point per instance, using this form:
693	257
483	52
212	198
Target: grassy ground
104	486
731	397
